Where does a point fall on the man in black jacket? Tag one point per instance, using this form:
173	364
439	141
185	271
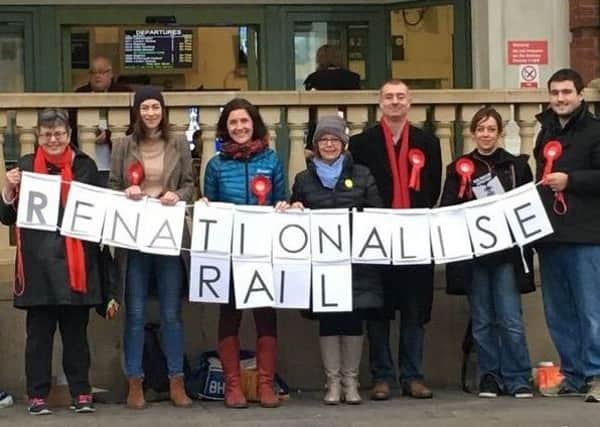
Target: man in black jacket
567	153
406	164
101	81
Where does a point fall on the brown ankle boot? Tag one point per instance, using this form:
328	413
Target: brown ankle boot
229	353
135	396
177	392
266	359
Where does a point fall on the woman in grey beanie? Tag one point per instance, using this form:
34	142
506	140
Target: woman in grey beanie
332	180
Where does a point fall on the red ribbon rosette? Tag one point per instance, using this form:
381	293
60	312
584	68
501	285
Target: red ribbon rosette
552	151
260	186
465	168
417	160
135	173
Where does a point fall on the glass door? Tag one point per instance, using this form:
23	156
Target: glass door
350	38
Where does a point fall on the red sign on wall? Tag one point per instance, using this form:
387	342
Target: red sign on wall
527	52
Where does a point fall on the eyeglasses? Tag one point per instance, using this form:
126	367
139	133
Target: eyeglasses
58	135
94	72
333	141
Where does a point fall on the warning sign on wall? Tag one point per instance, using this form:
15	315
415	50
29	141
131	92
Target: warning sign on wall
529	76
527	52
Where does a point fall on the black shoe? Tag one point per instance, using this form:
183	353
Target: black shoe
38	406
564	390
523	392
83	404
488	387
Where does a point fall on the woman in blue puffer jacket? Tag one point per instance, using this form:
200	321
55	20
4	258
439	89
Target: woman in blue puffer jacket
246	172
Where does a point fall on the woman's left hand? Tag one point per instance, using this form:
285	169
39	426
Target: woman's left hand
169	198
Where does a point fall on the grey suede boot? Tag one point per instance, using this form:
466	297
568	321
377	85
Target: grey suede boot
331	347
351	355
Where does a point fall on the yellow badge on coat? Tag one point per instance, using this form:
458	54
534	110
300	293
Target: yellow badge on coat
348	183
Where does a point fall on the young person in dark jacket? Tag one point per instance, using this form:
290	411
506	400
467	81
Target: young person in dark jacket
57	278
332	180
390	151
493	282
230	176
570	258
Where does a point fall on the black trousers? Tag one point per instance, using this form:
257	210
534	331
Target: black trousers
41	324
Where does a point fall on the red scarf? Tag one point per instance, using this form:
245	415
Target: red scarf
243	151
398	166
73	247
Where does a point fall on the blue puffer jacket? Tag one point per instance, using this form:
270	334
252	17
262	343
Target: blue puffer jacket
228	180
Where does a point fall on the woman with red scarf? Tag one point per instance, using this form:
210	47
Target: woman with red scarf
246	172
57	278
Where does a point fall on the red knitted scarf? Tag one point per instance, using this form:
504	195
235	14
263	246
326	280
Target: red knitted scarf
73	247
398	165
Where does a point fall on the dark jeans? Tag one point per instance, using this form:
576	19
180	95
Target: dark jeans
498	326
41	324
168	274
570	275
333	324
410	351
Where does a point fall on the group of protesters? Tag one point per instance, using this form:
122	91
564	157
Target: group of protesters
58	279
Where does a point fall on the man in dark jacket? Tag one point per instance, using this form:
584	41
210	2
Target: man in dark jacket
567	153
101	80
397	154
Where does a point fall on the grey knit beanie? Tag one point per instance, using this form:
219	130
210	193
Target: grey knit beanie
332	125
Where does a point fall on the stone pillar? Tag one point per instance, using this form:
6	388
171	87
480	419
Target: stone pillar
178	119
207	118
418	115
467	113
444	116
87	120
26	124
271	117
525	116
118	122
357	118
297	118
584	22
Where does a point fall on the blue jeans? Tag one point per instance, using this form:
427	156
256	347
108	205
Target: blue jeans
497	322
167	271
410	351
571	290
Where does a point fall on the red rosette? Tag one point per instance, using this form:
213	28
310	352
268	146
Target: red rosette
465	168
552	151
260	186
417	160
135	173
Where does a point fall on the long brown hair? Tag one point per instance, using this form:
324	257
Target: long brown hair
139	130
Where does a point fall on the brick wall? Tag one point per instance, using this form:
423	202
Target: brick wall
584	20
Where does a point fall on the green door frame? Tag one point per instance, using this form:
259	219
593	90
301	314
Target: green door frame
38	45
281	49
462	68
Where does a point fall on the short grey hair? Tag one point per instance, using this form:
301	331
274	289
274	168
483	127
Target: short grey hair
54	117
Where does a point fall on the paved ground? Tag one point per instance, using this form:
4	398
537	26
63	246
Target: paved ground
449	408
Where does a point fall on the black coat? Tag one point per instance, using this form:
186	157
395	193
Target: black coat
512	171
368	149
43	252
580	159
355	188
407	288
